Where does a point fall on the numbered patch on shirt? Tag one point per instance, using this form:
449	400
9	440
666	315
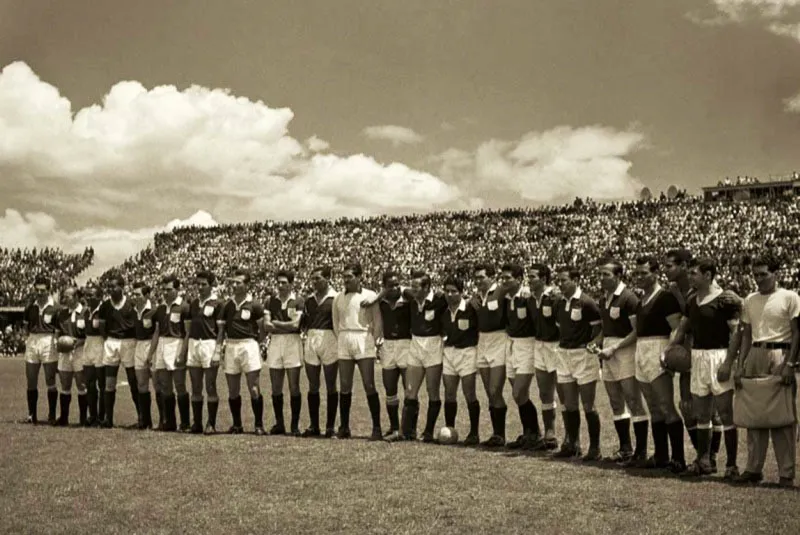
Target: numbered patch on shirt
81	323
522	313
547	311
175	317
245	314
463	324
208	311
96	323
614	313
47	318
147	322
430	315
491	305
576	314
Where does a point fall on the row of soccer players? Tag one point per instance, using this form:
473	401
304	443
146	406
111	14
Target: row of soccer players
558	335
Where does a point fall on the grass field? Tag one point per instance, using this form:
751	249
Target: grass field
119	481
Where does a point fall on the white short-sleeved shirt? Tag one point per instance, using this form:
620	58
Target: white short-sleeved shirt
770	316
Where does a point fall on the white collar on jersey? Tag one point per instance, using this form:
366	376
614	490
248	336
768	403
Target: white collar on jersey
178	301
714	292
248	298
617	293
78	309
330	293
49	303
147	306
212	296
522	289
121	303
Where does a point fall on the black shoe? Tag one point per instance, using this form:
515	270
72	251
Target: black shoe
235	430
749	478
105	424
697	469
592	456
196	429
472	440
786	483
620	457
330	432
495	441
377	435
296	433
635	460
259	432
534	443
516	444
52	422
209	430
713	465
29	420
90	422
550	443
676	467
567	451
427	438
652	463
185	428
394	436
343	433
311	432
391	432
277	430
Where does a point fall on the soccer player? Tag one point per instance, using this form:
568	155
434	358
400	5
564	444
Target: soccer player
657	317
285	353
39	322
769	345
118	325
460	330
321	352
395	313
715	341
172	317
521	355
578	370
542	308
243	319
424	356
618	311
356	328
492	346
204	350
93	370
142	362
71	321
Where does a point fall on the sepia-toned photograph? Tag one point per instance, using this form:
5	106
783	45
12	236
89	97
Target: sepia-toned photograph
399	267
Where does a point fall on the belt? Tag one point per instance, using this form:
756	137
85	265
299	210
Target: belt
772	345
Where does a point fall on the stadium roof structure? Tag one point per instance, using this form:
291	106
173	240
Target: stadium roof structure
775	186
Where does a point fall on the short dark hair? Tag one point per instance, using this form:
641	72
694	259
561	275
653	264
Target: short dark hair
144	287
422	275
574	273
77	291
244	273
288	273
452	280
544	272
209	276
490	270
650	261
118	278
681	256
705	265
354	268
388	274
172	280
41	279
325	271
616	266
517	271
769	261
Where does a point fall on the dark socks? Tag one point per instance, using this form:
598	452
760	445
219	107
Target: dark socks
393	411
313	409
257	404
295	404
623	428
65	400
434	407
593	423
345	400
661	441
731	445
332	408
450	411
109	398
374	404
183	408
675	433
549	420
33	399
474	409
213	406
169	412
235	405
640	432
277	408
144	409
52	403
82	408
197	413
529	418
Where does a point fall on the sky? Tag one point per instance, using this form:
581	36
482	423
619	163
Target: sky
120	119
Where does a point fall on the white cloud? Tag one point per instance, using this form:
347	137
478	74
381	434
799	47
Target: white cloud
398	135
781	17
143	153
548	167
792	105
316	144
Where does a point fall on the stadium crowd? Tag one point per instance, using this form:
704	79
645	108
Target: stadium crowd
446	242
18	267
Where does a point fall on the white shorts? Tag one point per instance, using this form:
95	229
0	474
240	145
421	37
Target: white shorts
577	365
460	361
705	364
622	365
492	348
93	351
202	354
285	351
425	351
545	356
648	358
521	357
141	357
72	361
242	356
167	353
39	349
321	349
355	345
395	354
118	352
